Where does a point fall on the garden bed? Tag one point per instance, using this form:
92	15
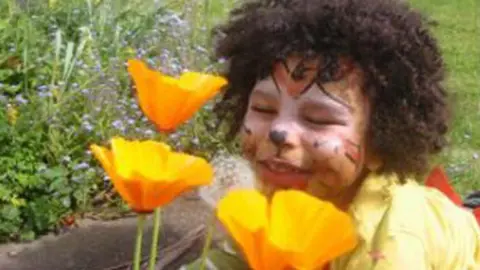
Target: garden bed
108	245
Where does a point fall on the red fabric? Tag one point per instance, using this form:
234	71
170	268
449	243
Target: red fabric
438	179
476	213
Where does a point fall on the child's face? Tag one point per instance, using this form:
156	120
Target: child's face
300	135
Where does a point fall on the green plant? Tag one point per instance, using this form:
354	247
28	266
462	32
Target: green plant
62	73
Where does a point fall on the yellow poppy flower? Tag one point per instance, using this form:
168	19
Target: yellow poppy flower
168	101
147	174
295	230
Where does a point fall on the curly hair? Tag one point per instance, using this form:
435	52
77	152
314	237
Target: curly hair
390	42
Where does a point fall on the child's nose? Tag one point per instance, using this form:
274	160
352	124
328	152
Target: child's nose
282	137
278	137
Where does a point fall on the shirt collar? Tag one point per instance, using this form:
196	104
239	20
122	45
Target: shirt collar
371	203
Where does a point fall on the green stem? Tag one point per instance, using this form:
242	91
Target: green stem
208	242
138	245
155	234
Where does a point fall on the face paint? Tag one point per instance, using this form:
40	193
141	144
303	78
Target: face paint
247	145
299	129
352	150
296	78
278	137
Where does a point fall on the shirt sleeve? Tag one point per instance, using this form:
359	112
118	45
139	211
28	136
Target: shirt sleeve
428	231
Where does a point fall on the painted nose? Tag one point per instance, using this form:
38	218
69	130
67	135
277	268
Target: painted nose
278	137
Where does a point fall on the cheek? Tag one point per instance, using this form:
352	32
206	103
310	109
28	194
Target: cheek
253	130
338	156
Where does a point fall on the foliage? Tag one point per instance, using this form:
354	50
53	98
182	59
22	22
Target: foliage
63	85
458	32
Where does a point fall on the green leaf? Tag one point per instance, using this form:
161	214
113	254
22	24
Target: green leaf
5	193
54	173
27	236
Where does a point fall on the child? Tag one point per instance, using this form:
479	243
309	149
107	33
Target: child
345	99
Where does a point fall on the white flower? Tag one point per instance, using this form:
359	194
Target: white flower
230	172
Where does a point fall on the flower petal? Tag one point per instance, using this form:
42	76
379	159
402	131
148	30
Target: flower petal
194	170
203	87
182	173
151	161
161	193
144	83
169	99
136	198
244	214
124	156
292	215
201	82
105	157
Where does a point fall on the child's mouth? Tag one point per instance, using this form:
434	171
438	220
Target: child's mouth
283	174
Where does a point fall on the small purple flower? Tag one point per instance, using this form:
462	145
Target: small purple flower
87	126
43	87
76	179
81	166
131	121
20	99
44	94
117	124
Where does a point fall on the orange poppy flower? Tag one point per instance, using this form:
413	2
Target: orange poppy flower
168	101
295	230
147	174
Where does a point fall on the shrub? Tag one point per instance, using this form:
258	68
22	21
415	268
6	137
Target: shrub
64	86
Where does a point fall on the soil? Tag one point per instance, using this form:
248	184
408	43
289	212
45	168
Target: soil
100	245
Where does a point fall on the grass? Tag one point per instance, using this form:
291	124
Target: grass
458	33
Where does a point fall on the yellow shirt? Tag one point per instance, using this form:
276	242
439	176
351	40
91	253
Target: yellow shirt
410	226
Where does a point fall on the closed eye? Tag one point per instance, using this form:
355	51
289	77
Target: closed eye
265	110
325	122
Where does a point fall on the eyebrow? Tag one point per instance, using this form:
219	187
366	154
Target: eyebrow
335	98
326	103
260	92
